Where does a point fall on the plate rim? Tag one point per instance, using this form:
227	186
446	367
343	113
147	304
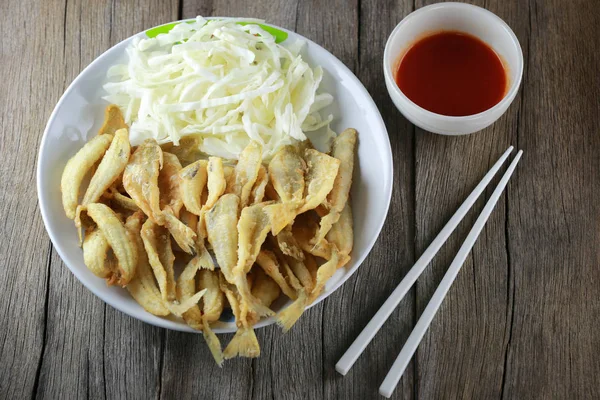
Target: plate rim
176	325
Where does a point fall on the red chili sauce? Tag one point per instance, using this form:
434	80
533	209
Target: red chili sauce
452	73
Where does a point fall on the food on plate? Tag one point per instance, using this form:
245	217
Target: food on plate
269	264
120	200
186	288
265	289
77	168
119	240
113	120
288	244
258	191
142	286
213	303
184	236
321	171
219	84
193	180
221	227
140	179
169	184
343	150
207	195
110	168
95	254
341	234
286	170
157	244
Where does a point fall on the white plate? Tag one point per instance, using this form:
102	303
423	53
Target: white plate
80	111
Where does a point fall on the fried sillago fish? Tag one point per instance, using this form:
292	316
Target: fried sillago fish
76	169
343	149
258	191
120	200
342	233
281	215
143	285
286	173
270	265
188	149
288	244
140	179
193	180
265	289
169	183
157	243
119	239
216	185
216	182
221	227
236	243
304	229
288	317
253	227
321	173
95	249
189	219
110	168
244	342
300	271
186	288
183	235
246	171
213	303
113	121
286	176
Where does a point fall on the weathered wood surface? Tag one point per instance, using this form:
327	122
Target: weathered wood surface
521	321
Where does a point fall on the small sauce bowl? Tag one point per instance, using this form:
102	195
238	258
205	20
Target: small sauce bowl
461	17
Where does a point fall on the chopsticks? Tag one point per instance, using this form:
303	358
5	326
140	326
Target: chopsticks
365	337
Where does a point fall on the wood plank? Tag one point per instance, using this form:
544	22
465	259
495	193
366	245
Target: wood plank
186	354
278	12
31	83
189	370
352	306
554	213
134	351
91	349
73	359
133	355
292	365
462	354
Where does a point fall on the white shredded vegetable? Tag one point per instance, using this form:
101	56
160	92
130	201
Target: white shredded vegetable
223	82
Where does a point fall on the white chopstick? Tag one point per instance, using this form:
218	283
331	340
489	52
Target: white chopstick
367	334
392	378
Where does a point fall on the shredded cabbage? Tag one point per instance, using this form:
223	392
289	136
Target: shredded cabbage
223	82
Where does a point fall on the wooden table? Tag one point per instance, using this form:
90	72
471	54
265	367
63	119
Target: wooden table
522	320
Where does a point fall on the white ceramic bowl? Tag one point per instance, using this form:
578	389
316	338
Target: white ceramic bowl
462	17
79	114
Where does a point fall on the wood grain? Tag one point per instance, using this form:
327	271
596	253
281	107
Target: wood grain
463	353
554	213
31	83
521	320
91	350
352	306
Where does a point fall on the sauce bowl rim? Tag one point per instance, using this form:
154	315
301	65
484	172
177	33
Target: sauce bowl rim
508	96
